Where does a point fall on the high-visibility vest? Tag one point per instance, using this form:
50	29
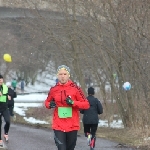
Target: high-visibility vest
3	98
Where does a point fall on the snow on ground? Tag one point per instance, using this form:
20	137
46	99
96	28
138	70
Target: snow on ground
38	100
21	107
33	97
35	121
114	124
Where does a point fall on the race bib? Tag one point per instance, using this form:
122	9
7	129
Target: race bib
65	112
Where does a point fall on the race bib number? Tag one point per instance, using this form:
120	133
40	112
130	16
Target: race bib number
65	112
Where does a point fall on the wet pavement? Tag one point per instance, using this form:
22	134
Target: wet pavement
29	138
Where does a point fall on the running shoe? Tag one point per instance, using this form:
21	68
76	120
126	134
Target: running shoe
1	143
89	139
6	137
92	144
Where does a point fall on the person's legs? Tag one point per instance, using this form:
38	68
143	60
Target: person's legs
22	90
71	140
86	129
87	132
93	132
0	127
93	129
1	141
60	139
7	121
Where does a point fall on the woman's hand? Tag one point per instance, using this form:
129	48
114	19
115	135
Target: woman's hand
9	97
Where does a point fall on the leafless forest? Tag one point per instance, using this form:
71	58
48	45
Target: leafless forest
104	42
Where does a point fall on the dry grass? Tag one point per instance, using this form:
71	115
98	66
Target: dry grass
129	137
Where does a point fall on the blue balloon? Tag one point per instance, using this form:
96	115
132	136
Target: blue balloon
127	86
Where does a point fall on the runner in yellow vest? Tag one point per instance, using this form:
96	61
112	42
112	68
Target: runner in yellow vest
4	110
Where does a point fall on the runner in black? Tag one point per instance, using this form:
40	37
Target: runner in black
90	118
4	110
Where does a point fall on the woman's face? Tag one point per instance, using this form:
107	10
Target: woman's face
1	81
63	76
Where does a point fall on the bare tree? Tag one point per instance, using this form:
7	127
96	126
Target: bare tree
98	38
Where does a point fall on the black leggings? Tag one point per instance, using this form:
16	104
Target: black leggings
91	128
6	116
65	140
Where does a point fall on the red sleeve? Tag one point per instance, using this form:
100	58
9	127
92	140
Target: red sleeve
82	102
49	98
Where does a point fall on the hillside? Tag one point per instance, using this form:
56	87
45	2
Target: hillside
28	4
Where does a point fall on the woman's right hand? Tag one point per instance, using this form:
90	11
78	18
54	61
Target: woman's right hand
9	97
52	104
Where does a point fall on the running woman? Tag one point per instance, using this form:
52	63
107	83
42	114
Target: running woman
66	98
90	118
4	110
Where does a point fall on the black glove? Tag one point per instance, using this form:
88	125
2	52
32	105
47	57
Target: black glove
52	104
69	101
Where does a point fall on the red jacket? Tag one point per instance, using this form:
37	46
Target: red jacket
59	93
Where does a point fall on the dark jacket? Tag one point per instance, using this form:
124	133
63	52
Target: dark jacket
13	95
90	116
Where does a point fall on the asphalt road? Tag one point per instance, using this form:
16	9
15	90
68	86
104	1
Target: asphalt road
29	138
